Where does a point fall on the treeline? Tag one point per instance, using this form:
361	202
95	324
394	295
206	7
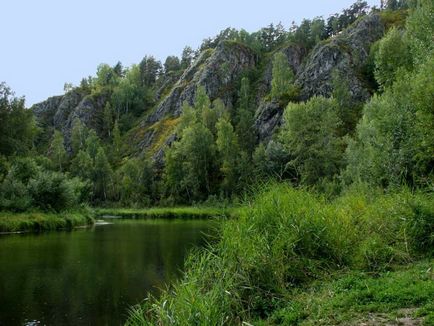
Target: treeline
326	143
379	157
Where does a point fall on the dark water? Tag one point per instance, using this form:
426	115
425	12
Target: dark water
92	276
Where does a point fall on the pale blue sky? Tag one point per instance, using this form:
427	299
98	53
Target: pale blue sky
46	43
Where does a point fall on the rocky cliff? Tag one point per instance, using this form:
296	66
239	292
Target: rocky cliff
219	71
345	53
59	112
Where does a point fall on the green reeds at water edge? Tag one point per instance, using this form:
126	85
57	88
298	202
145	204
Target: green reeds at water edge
286	241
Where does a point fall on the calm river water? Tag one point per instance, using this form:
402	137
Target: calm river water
91	276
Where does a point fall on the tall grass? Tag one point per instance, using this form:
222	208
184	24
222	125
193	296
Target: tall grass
166	212
288	238
38	221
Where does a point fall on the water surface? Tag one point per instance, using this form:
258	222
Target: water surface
91	276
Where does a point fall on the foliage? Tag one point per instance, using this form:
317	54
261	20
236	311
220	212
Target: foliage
135	182
394	140
309	33
130	95
53	191
149	69
79	134
338	22
199	212
189	163
310	134
284	239
348	109
229	151
245	129
36	221
402	295
57	152
17	125
28	184
420	28
282	84
393	54
102	175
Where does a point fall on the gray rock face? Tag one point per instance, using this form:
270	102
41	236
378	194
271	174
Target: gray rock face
347	53
66	106
45	111
217	70
268	118
60	111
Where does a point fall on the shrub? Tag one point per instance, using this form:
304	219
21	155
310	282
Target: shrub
290	237
14	195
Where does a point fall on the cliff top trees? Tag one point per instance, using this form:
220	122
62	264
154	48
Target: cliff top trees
282	84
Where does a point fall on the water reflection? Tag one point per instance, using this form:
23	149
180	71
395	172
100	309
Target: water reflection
90	277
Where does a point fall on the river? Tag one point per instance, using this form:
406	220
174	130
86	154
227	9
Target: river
92	276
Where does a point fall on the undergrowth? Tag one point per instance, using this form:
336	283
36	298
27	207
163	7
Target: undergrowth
286	240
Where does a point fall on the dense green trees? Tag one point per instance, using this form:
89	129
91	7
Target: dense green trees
57	150
135	183
386	141
191	161
310	134
395	139
393	54
28	184
17	125
229	151
282	84
394	142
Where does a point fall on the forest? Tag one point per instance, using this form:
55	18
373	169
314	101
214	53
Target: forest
331	175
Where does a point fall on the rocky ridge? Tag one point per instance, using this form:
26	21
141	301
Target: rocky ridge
219	71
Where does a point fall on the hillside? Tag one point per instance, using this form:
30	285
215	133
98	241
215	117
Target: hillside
219	70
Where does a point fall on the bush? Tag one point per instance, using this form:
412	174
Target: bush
291	237
28	184
14	195
52	190
421	223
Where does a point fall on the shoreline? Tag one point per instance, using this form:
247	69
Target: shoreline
28	222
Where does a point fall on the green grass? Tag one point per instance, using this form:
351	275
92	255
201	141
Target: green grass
355	297
167	213
289	240
37	221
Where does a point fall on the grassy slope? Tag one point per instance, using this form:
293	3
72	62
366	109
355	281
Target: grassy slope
402	295
289	240
37	221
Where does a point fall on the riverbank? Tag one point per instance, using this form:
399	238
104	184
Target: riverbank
294	257
195	212
400	296
40	221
